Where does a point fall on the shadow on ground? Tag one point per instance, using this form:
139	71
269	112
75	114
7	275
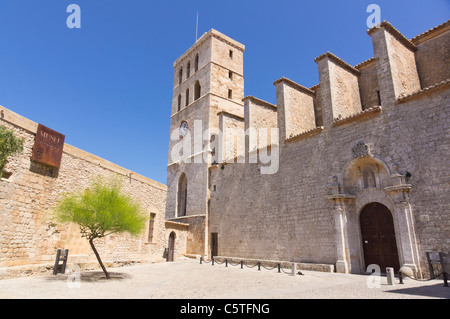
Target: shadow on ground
436	291
91	276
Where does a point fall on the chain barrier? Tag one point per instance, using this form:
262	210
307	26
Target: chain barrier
269	268
402	275
289	273
251	266
433	258
205	261
405	275
232	263
242	264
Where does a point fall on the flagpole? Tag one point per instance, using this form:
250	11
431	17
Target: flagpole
196	29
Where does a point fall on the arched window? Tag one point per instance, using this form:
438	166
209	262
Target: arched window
180	76
179	102
197	90
187	97
182	196
196	63
188	70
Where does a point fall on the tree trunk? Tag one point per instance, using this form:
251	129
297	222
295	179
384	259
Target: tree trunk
91	242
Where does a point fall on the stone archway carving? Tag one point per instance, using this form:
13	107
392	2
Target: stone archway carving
364	179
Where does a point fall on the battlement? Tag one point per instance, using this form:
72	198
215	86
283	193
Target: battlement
401	70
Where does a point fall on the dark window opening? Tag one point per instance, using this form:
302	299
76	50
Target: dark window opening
379	97
230	94
180	76
182	195
179	102
196	63
197	90
187	97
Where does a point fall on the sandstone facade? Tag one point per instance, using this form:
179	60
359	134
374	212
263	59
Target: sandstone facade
292	180
372	134
28	235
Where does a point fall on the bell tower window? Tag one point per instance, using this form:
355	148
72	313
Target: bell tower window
196	63
187	97
197	90
180	76
182	195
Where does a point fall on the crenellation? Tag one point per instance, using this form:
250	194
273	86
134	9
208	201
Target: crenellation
296	108
258	114
394	32
432	54
339	88
396	64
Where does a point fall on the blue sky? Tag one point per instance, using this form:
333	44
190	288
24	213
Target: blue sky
108	85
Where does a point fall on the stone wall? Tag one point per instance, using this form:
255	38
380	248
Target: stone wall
220	75
395	154
432	53
260	118
368	84
28	234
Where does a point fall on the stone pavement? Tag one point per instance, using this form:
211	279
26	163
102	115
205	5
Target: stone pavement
187	279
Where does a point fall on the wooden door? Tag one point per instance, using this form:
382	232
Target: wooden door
378	237
170	256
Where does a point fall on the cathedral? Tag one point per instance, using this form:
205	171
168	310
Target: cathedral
351	172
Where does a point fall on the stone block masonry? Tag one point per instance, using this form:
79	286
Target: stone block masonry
370	136
28	236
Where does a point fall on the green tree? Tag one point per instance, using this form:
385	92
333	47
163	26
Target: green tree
9	145
101	210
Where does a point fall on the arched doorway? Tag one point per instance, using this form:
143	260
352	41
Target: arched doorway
378	237
170	256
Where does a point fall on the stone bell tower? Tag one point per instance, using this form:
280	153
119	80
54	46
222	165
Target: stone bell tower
208	81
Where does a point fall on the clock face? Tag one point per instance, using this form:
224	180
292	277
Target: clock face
183	128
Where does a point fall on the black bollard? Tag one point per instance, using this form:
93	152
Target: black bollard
444	274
